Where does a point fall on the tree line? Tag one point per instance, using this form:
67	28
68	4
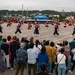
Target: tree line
31	13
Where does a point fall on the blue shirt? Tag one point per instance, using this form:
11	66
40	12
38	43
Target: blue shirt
21	53
42	58
72	43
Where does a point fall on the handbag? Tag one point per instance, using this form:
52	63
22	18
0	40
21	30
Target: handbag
59	61
21	61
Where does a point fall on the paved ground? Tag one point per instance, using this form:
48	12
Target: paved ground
45	33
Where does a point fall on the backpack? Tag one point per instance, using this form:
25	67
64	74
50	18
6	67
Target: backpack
21	61
21	57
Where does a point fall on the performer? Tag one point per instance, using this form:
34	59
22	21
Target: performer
36	31
56	30
19	23
35	22
1	29
9	23
46	24
65	23
18	29
57	23
70	23
22	22
74	29
29	26
52	22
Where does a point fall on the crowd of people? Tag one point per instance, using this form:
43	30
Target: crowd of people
42	57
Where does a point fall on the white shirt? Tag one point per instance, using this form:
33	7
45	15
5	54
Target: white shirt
73	51
32	55
38	49
59	57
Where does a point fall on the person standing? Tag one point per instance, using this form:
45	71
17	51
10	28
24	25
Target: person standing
42	57
65	24
13	47
49	51
73	60
67	54
73	29
38	46
61	58
56	30
21	56
9	23
32	56
8	42
72	44
2	62
52	44
31	41
1	29
5	48
29	26
36	31
46	24
18	29
23	41
1	40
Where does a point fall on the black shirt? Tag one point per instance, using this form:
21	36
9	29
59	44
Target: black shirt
14	46
5	48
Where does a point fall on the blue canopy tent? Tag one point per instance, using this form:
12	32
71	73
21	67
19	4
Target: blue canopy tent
40	17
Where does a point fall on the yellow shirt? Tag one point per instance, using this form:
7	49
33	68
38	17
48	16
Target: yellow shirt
54	54
49	52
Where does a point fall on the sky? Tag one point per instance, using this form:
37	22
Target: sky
58	5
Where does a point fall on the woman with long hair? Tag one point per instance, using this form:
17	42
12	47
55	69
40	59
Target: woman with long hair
42	57
38	46
61	58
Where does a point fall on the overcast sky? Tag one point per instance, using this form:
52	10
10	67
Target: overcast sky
58	5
